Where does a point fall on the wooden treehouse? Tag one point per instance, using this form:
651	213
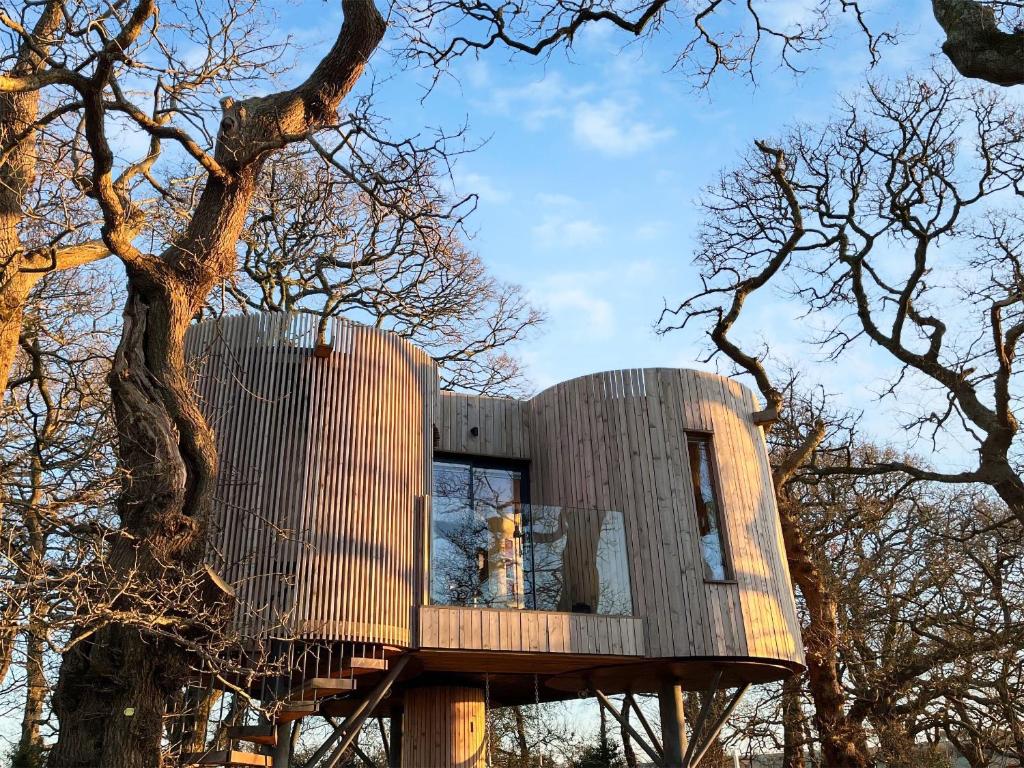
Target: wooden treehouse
421	555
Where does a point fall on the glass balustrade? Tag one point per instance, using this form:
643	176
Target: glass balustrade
505	554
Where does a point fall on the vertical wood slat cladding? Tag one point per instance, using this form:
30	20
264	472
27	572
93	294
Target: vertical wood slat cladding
491	629
616	440
323	461
502	423
444	727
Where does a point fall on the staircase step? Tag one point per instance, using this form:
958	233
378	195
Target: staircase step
317	687
294	710
360	663
229	758
265	735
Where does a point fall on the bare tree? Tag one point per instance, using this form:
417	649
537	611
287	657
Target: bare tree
713	36
906	167
57	468
115	683
42	227
319	240
983	37
905	171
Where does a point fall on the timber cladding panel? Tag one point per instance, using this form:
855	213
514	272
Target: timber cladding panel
444	727
323	461
489	629
501	423
616	441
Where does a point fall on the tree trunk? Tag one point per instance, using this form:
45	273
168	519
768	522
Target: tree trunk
792	725
843	740
12	306
30	745
605	749
113	687
524	747
187	733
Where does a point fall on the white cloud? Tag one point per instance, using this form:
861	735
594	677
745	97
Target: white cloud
538	102
606	127
575	307
483	187
556	231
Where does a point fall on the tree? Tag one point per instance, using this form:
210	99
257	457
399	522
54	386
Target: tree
119	676
318	240
984	38
44	218
907	172
977	41
905	168
57	473
924	619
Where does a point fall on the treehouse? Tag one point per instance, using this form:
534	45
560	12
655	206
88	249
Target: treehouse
424	555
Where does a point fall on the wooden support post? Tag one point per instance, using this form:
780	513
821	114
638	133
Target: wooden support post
444	727
673	725
282	751
395	742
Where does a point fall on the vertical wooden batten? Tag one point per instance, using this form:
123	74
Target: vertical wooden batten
324	462
444	727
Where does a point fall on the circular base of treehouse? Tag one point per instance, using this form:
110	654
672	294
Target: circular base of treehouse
690	674
444	727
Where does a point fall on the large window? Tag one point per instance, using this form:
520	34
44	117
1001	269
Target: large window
476	536
709	511
491	549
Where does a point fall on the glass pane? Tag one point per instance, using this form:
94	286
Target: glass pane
706	501
477	552
490	550
579	561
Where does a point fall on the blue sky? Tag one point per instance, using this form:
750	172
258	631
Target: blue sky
591	169
591	164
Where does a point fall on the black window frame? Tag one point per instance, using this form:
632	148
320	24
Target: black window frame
728	567
475	461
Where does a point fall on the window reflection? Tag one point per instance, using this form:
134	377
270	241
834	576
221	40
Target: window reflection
579	561
705	494
477	552
489	549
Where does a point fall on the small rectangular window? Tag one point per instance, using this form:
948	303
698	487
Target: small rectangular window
705	497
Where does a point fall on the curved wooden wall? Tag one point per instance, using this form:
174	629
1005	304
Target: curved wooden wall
322	463
615	441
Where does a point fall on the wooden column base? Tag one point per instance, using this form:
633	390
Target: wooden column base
444	727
